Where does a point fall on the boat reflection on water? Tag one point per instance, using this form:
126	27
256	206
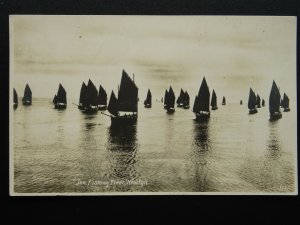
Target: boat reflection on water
89	121
273	142
122	149
200	156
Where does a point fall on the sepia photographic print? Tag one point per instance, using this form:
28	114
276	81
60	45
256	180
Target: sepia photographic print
153	105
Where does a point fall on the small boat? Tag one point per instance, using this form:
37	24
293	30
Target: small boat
258	101
15	98
162	99
148	101
186	100
274	103
180	99
27	99
124	109
82	96
224	101
60	99
241	102
102	99
263	103
201	104
90	100
252	102
286	103
213	103
169	101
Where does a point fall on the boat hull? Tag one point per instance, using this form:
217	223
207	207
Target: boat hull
214	108
90	110
102	107
60	106
252	111
147	106
202	116
275	116
26	103
123	120
186	107
170	110
180	105
258	106
286	110
15	105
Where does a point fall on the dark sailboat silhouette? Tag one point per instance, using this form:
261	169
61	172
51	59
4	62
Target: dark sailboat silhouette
241	102
286	103
90	100
60	99
263	103
82	96
274	103
252	102
180	98
102	99
169	100
124	109
224	101
27	99
148	100
258	101
186	100
201	104
15	99
213	103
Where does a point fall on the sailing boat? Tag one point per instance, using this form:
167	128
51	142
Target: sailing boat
15	99
90	100
82	96
148	101
102	99
286	103
27	99
263	103
201	104
169	100
258	101
252	102
60	99
186	100
125	103
213	103
241	102
224	101
180	99
274	103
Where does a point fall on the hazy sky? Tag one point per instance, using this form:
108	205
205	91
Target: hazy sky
233	53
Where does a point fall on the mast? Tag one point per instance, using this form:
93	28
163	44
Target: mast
251	100
274	99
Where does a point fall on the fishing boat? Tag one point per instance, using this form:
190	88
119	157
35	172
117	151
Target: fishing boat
15	99
258	101
124	109
263	103
274	103
224	101
241	102
252	102
286	103
102	99
148	100
82	96
213	103
201	104
60	99
90	100
186	100
27	99
180	99
169	101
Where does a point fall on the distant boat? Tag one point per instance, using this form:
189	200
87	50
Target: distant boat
224	101
27	99
274	103
15	98
241	102
180	99
162	99
60	99
186	100
263	103
82	96
90	100
213	103
286	103
258	101
148	101
102	99
124	109
201	104
252	102
169	100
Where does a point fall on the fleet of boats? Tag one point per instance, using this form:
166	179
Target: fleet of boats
123	109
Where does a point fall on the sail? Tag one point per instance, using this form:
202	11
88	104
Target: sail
224	100
148	98
113	104
82	98
258	100
61	95
102	96
166	98
241	102
27	94
15	96
213	99
285	101
54	99
171	100
180	97
203	97
251	100
196	107
263	102
91	94
274	99
128	94
186	99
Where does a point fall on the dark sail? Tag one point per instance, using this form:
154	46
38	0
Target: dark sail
251	100
102	96
224	101
263	103
258	100
186	99
54	99
203	97
91	95
27	94
241	102
171	98
166	98
213	99
82	98
148	100
61	95
15	97
274	99
113	104
196	107
180	97
128	94
285	101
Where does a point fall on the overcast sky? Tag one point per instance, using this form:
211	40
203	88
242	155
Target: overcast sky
233	53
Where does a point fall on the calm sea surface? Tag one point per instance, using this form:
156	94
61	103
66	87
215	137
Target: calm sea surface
67	151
